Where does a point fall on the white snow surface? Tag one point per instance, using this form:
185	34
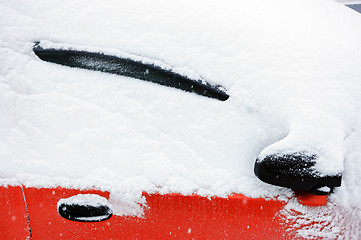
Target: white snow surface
349	1
93	200
292	69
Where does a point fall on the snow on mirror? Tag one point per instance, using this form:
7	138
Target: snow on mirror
130	68
85	208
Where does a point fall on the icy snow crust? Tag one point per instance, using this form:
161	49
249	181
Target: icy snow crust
92	200
291	67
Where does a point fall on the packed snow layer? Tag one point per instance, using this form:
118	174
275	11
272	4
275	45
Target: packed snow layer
93	200
291	67
349	1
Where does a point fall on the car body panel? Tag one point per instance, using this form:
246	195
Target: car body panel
14	219
174	216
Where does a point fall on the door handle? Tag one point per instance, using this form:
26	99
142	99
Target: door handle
85	208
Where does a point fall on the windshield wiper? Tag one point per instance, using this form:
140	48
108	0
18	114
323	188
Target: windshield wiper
129	68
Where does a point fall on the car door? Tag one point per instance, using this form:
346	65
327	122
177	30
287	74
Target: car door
166	216
13	214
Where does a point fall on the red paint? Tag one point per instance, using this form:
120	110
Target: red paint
13	216
308	199
171	216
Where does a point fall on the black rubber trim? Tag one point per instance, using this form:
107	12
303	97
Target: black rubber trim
27	212
130	68
356	7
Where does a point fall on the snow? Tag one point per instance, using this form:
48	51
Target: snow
324	189
291	68
349	1
91	200
325	222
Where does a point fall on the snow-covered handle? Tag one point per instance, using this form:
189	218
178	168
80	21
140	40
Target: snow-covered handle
85	208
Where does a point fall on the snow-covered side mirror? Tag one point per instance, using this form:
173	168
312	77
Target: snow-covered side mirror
85	208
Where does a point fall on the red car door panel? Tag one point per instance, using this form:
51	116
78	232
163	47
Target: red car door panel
13	216
170	216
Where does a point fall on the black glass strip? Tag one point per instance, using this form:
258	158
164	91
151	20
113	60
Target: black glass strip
356	7
129	68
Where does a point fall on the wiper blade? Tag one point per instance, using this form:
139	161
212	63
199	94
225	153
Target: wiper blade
129	68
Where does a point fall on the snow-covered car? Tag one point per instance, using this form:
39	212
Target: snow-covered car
159	119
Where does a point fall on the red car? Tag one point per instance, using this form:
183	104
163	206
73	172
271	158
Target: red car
179	120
